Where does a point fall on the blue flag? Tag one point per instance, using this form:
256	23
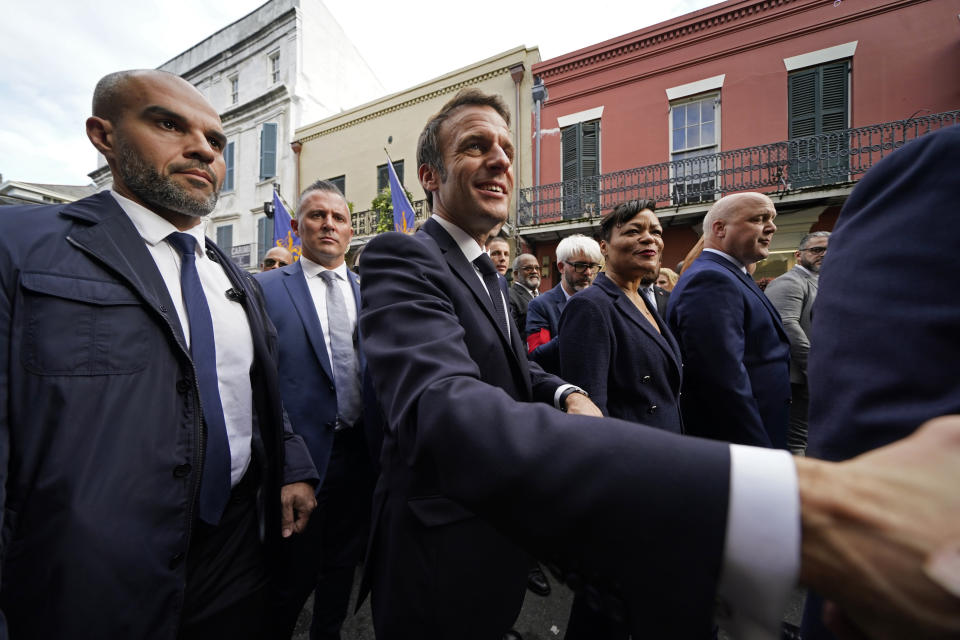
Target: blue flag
403	214
282	231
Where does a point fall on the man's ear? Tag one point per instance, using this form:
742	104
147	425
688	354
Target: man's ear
100	133
294	226
719	228
429	178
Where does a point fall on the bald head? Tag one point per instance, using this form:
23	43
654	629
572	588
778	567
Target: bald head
275	258
741	225
112	93
163	141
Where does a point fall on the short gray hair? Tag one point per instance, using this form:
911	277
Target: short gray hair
578	243
319	185
813	234
516	262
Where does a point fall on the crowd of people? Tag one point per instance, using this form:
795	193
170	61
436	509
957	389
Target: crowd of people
189	451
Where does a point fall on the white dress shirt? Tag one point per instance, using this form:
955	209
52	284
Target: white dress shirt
231	330
318	291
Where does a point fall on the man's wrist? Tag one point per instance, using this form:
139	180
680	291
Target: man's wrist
563	392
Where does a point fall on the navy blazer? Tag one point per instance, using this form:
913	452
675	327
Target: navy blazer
100	426
884	348
608	348
307	384
736	377
543	312
479	470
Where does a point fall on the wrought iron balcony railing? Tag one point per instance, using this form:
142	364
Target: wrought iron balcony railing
365	222
812	161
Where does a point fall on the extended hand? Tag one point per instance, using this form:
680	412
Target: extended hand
297	501
881	535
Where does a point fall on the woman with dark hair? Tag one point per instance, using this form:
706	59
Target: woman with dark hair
614	345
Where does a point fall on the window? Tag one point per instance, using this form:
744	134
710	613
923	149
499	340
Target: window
694	135
264	237
817	103
225	238
275	67
580	144
341	182
234	90
268	150
383	176
228	160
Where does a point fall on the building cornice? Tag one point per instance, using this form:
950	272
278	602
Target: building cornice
276	95
689	31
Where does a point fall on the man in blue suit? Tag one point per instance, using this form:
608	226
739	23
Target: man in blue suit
314	304
736	356
886	322
578	262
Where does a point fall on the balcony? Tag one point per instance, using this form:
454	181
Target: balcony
365	222
825	160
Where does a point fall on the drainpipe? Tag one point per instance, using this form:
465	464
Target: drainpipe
516	72
539	97
297	147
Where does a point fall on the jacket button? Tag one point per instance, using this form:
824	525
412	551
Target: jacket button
645	379
652	408
181	470
183	386
176	560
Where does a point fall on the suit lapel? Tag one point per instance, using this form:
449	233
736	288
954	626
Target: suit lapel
354	280
464	271
630	311
296	283
114	242
752	286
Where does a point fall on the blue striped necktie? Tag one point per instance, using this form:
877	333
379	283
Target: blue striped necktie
215	481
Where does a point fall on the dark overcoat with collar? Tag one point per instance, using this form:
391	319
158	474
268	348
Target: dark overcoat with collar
100	427
608	348
479	470
736	357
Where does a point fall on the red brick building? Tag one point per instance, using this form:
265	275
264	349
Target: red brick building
795	98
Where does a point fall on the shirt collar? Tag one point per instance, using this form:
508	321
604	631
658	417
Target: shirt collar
729	257
153	228
468	246
312	270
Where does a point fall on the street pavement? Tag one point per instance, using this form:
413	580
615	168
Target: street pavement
540	619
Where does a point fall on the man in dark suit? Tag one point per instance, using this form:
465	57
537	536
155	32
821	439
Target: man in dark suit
142	439
736	357
525	287
885	330
578	262
657	296
314	304
793	294
477	465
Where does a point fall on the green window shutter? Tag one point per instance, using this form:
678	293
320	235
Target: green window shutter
590	149
228	161
803	104
569	142
264	236
268	150
834	97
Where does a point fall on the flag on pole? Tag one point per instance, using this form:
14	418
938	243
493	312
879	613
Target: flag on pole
283	235
403	214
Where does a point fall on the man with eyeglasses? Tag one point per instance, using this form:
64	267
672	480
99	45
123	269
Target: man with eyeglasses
578	262
793	294
275	258
525	287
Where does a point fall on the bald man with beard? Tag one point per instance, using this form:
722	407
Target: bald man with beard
144	455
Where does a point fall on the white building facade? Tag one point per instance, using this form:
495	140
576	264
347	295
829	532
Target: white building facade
283	65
